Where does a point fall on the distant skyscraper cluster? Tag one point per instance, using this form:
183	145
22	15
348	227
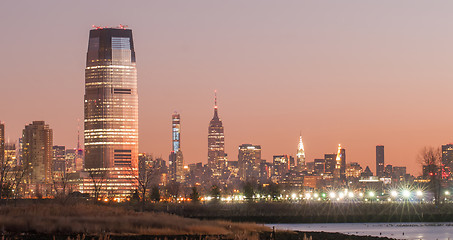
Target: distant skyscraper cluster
111	166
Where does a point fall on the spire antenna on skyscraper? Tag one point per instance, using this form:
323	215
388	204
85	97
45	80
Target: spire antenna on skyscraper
215	99
301	153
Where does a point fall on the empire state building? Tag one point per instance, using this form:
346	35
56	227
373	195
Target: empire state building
216	144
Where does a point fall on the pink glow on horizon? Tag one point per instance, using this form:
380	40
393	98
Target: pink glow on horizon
355	72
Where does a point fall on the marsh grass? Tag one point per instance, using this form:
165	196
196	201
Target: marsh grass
93	219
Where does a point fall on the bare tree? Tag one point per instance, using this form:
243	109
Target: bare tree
5	186
431	159
11	179
144	181
62	187
98	180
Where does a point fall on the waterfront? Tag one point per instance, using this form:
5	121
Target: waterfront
410	231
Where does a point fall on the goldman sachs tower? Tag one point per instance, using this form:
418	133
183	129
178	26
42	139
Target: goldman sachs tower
111	112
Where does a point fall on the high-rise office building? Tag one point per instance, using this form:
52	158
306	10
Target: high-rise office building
176	160
2	143
281	166
380	161
59	161
216	144
37	155
320	164
249	160
399	173
353	170
111	111
300	154
10	154
330	162
340	163
447	161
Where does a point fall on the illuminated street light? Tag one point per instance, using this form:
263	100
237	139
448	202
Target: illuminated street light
332	195
447	193
371	194
350	194
419	193
394	193
406	193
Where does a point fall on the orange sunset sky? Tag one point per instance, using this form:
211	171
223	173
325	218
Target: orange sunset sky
359	73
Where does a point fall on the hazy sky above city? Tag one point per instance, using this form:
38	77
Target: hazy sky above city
359	73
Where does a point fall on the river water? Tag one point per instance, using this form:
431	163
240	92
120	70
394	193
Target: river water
431	231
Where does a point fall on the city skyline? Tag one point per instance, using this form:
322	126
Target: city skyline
258	65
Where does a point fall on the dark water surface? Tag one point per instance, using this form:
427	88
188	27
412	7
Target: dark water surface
422	230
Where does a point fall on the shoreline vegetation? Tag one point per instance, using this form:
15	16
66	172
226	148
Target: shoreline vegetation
48	219
311	212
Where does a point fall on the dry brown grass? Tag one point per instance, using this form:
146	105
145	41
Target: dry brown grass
94	219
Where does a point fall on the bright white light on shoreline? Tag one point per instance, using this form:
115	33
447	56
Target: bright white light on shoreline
406	193
394	193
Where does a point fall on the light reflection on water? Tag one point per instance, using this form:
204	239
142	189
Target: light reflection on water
412	231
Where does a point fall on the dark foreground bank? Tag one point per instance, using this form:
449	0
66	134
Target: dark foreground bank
26	221
287	235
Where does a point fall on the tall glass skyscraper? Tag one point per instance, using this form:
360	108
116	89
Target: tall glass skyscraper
176	160
111	110
216	144
380	160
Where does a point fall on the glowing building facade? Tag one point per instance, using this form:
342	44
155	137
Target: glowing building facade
300	155
10	154
37	156
340	163
216	145
176	160
111	111
249	160
447	161
2	143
